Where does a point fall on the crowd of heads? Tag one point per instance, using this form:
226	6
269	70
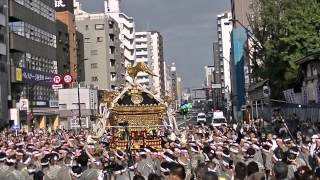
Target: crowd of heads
196	152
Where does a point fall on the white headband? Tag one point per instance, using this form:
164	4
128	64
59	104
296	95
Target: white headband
182	163
223	154
164	170
275	157
11	161
44	164
19	153
74	174
294	152
234	150
212	170
27	161
31	170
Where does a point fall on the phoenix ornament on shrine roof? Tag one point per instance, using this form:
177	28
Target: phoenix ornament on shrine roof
139	67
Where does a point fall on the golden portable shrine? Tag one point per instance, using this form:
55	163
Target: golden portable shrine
135	115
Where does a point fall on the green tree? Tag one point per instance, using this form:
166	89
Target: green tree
286	31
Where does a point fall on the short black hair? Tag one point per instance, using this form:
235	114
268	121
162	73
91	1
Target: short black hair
252	168
210	176
38	175
280	170
83	159
138	177
240	170
179	171
153	176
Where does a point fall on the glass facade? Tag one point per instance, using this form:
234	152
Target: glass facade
38	7
39	93
33	62
31	32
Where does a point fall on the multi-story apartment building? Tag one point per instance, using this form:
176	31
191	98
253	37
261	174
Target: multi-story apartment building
174	84
149	47
240	62
216	61
223	62
62	47
179	92
167	79
209	75
32	52
3	63
127	29
104	60
75	62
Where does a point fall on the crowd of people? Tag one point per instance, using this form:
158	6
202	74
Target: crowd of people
196	152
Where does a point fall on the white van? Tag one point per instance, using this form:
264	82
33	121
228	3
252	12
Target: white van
201	118
218	119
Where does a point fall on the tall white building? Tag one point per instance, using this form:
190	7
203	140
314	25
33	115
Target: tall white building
127	29
167	79
149	49
222	64
209	70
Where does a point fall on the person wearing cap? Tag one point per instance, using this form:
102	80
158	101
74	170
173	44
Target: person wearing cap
315	146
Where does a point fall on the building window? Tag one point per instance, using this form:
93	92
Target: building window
111	24
112	62
112	49
2	68
86	40
38	7
99	39
94	78
94	65
93	52
113	76
111	36
2	34
31	32
2	58
87	27
99	26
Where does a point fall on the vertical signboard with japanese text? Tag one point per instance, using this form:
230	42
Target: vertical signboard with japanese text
64	5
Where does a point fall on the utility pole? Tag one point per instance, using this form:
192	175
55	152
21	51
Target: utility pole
79	108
